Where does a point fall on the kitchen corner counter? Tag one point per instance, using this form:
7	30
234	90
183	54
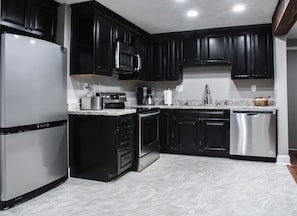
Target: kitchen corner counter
104	112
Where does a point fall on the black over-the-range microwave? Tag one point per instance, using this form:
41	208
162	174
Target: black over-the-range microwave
127	60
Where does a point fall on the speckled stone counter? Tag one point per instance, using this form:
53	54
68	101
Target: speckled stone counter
105	112
132	109
216	107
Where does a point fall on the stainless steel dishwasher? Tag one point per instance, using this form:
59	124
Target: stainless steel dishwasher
253	133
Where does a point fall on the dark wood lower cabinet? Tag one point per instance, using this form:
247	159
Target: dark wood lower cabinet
101	147
186	133
196	132
215	137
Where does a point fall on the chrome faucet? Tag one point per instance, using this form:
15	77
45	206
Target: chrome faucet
207	97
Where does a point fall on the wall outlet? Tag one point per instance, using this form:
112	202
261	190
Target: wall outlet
253	88
86	86
179	88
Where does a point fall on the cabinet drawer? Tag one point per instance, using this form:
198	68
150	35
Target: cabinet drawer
125	159
126	138
127	121
222	114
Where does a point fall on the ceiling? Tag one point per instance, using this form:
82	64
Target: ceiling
160	16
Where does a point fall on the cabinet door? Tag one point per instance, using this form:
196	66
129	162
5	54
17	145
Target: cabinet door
215	136
186	134
120	33
157	71
240	49
103	45
192	44
42	18
173	59
216	48
166	131
82	41
262	54
143	48
13	11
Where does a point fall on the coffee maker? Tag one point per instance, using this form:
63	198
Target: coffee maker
145	95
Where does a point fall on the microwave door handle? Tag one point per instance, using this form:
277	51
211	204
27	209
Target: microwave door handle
138	62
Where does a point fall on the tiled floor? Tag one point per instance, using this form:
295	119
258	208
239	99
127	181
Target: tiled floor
175	185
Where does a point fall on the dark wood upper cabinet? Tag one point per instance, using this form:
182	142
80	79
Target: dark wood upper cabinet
103	44
241	58
206	47
125	34
167	56
34	17
252	53
262	56
192	48
91	42
13	11
43	18
216	48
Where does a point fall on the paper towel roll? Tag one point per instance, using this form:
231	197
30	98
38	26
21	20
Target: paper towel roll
167	97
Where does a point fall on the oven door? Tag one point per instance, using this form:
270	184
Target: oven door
149	133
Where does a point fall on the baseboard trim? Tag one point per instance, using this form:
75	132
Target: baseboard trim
283	160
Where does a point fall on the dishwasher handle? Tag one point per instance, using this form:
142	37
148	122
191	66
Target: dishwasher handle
251	113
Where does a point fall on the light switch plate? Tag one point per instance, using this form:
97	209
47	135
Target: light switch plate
86	86
179	88
253	88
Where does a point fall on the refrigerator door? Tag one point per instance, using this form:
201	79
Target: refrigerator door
31	160
32	81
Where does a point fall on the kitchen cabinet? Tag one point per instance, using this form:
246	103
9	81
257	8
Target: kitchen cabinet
101	147
166	122
215	136
186	132
91	42
166	57
252	53
34	17
124	34
197	132
206	47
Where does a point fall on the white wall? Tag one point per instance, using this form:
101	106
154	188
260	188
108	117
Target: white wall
281	96
218	78
292	99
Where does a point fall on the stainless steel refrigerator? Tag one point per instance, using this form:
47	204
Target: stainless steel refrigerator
33	113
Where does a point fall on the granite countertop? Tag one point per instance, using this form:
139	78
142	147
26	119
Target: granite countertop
215	107
105	112
132	109
221	107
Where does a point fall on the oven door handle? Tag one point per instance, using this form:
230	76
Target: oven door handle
148	114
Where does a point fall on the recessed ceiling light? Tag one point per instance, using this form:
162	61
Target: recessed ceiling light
192	13
238	8
181	0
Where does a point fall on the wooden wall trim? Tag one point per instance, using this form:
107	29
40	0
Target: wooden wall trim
284	17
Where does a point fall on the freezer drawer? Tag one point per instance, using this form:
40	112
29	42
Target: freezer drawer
253	134
30	160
